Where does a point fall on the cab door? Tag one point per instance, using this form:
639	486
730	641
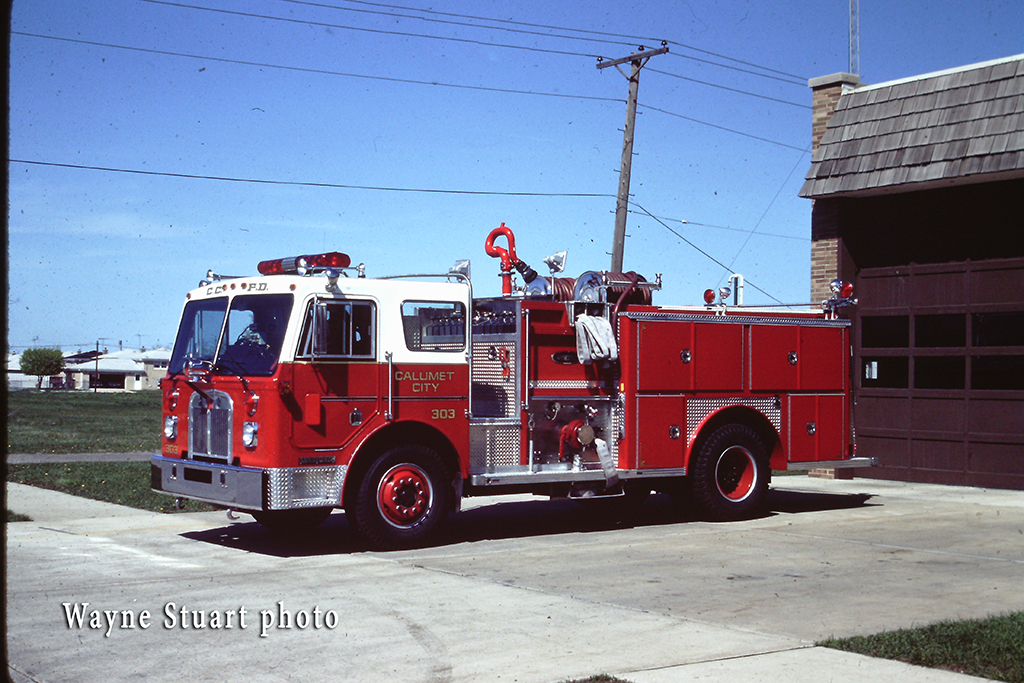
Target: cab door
336	376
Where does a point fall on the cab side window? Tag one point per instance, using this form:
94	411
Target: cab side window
338	329
434	325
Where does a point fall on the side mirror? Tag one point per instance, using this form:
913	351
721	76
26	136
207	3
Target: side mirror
319	328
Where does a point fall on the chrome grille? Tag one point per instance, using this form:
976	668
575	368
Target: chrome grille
209	426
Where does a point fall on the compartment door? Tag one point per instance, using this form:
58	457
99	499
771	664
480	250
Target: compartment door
817	424
660	431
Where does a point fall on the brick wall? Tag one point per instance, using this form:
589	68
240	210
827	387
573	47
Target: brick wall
825	94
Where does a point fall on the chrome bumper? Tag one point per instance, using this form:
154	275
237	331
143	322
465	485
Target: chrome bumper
246	488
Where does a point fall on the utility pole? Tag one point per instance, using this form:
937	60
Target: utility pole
97	376
637	60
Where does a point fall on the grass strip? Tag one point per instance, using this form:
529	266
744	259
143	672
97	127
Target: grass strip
83	422
991	648
122	483
17	517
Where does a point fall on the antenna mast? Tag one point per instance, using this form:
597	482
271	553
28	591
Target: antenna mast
855	37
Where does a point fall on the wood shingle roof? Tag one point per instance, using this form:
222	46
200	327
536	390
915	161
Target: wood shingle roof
959	126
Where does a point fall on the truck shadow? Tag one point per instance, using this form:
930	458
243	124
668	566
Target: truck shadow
505	520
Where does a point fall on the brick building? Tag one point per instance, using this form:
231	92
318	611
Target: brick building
918	198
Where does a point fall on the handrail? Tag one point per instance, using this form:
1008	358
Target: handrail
390	415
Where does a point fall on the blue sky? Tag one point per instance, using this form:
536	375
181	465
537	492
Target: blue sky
458	123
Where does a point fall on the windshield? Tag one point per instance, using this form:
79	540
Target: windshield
251	339
254	334
198	332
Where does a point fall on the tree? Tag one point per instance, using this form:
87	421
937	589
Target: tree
42	362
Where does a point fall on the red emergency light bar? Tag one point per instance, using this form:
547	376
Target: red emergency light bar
303	265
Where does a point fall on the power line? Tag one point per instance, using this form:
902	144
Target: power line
296	183
790	78
728	130
512	22
768	208
477	42
735	90
405	34
723	227
450	22
800	80
327	72
324	72
702	252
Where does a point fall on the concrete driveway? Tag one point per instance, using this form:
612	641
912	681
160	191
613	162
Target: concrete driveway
521	589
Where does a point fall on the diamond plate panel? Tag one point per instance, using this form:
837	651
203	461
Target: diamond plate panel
698	409
493	446
494	373
304	487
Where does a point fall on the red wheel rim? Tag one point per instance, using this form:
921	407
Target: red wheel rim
735	473
404	496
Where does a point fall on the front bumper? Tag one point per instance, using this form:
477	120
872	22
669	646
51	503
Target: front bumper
246	488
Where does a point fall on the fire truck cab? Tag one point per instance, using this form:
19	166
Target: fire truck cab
311	387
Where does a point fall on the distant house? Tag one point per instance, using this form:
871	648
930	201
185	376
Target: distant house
126	370
918	191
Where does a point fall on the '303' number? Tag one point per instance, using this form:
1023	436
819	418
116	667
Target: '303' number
442	414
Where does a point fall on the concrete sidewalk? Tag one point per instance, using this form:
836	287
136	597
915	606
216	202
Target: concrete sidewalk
519	602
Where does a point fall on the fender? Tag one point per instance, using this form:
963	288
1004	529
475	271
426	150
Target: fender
748	415
373	442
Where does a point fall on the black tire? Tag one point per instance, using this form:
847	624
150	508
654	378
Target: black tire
302	519
403	498
730	475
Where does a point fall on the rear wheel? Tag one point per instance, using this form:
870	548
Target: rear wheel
730	475
403	498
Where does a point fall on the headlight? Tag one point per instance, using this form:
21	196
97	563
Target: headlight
171	427
250	434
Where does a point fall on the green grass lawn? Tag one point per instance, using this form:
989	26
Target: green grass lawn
123	483
990	648
83	422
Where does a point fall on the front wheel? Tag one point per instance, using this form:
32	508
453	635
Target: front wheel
403	498
730	475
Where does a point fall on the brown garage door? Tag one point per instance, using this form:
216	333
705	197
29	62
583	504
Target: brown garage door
939	354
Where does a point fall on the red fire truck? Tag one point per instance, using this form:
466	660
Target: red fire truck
312	387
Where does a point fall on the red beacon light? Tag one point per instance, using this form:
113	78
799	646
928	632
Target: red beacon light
840	289
304	265
842	295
